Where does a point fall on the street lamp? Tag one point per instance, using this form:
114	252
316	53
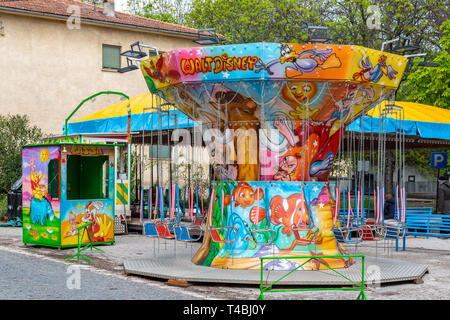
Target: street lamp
400	45
426	63
318	34
130	66
133	53
209	38
136	54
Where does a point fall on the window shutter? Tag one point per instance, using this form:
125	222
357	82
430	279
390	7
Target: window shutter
111	57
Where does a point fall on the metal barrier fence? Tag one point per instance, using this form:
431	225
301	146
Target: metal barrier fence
421	187
354	285
87	229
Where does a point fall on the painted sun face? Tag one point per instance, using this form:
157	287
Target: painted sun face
296	93
44	155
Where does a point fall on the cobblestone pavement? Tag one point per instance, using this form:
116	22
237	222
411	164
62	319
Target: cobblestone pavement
433	252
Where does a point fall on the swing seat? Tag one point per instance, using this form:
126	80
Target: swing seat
182	234
379	229
370	231
263	231
198	221
215	235
343	236
163	230
150	229
353	226
308	240
366	233
395	231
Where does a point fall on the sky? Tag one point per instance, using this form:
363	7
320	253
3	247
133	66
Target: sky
120	5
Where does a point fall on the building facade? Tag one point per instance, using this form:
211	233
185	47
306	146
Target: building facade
55	53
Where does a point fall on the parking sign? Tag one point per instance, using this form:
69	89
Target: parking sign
439	160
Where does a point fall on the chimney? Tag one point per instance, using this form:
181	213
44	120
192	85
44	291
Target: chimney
108	8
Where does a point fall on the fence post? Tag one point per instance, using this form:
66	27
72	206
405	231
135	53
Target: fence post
261	295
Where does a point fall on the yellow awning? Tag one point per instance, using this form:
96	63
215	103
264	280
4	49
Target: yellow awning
417	112
137	104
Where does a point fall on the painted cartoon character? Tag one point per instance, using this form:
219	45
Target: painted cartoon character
154	69
302	62
38	189
238	107
290	211
242	110
289	163
245	196
355	98
371	73
187	103
91	210
40	210
299	95
225	172
312	144
40	204
73	225
352	101
299	92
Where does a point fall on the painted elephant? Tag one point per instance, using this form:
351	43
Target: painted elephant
40	210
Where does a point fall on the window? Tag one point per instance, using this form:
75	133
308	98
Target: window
87	177
53	181
111	57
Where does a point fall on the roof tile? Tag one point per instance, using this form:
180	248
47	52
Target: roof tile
91	12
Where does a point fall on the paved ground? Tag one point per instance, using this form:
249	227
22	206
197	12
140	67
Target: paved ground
26	277
435	253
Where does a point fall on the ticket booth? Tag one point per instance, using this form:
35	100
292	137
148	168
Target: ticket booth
122	159
65	185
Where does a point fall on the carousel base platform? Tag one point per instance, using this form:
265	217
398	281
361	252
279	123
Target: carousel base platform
177	266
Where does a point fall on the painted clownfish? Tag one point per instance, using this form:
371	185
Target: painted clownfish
245	196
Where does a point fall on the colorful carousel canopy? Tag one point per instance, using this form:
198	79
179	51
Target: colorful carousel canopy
115	117
418	120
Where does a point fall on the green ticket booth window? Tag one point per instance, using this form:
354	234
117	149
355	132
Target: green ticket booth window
53	179
87	177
